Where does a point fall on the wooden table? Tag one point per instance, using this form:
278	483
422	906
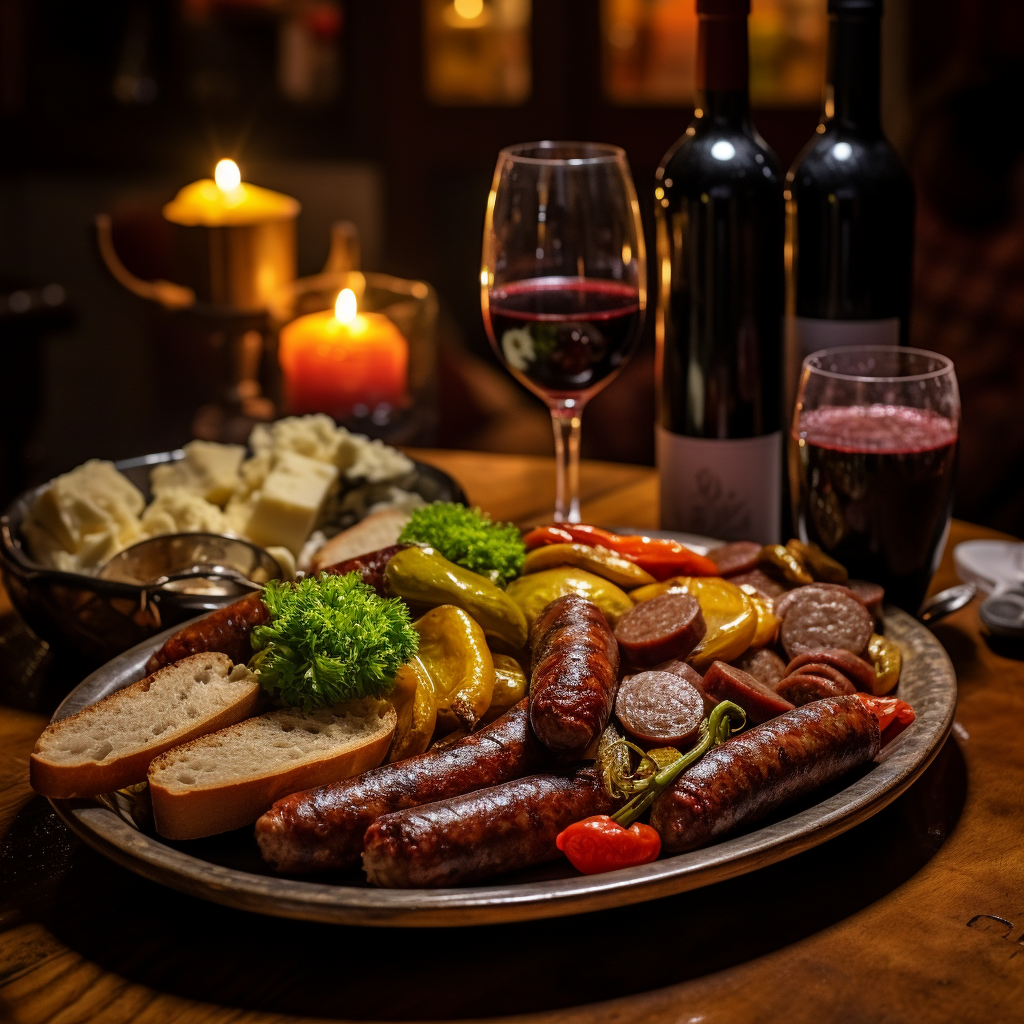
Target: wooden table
916	915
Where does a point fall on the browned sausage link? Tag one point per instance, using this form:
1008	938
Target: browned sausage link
471	837
575	675
324	828
754	773
225	631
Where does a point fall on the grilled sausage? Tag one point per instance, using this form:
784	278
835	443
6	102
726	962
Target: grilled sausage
491	831
758	771
227	629
667	626
323	828
575	675
727	682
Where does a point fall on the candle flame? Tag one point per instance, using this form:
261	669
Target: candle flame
345	306
227	175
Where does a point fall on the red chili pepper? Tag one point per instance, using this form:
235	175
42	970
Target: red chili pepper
599	844
661	558
893	714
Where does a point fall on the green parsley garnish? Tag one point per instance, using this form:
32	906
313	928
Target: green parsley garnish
469	538
330	639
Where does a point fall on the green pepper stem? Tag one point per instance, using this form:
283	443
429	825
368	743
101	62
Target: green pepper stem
724	720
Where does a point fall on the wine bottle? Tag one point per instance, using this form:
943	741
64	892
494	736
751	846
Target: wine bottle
720	232
849	207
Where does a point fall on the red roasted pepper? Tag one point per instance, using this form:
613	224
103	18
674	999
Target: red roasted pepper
893	714
661	558
599	844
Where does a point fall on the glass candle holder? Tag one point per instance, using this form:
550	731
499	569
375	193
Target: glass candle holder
361	347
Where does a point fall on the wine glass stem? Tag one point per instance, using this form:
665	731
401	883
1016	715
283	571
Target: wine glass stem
565	418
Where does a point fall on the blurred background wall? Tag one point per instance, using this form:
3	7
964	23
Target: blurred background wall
390	114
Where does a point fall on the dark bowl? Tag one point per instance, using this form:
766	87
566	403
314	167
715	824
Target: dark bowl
92	619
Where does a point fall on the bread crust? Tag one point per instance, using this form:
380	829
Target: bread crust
207	811
90	778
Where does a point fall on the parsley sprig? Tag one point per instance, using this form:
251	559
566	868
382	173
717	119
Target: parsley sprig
329	639
469	538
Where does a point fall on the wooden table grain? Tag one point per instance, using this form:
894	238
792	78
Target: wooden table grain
916	915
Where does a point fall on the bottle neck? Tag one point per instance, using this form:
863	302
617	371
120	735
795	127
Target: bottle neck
723	70
853	94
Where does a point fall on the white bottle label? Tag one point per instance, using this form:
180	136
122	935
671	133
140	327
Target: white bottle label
730	489
810	334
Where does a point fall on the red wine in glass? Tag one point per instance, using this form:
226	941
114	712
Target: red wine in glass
565	335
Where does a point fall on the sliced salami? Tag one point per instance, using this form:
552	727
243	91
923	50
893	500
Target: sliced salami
817	618
727	682
783	604
857	669
763	664
802	689
667	626
818	668
740	556
660	708
872	595
762	583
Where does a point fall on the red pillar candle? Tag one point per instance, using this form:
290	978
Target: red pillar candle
343	362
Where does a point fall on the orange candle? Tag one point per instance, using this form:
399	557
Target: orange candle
343	362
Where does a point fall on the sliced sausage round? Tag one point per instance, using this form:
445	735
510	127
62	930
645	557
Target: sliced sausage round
727	682
740	556
785	602
660	708
763	664
667	626
802	689
762	583
686	671
872	595
819	618
818	668
857	669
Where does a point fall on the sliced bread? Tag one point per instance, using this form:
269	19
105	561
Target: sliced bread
376	531
110	744
229	778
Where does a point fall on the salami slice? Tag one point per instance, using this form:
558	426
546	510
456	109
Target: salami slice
818	668
872	595
660	708
763	664
740	556
667	626
801	689
783	604
727	682
686	671
762	583
817	618
857	669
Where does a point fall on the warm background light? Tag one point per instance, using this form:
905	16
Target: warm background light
469	9
227	175
345	306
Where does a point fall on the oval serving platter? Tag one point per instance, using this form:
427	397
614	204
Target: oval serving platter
928	683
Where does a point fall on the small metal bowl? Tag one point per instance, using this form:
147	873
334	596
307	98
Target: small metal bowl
93	618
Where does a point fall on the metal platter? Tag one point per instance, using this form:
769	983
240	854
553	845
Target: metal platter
228	870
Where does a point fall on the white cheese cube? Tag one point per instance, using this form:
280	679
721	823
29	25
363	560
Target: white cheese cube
180	511
209	470
286	508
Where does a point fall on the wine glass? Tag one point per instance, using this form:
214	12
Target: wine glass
563	281
872	454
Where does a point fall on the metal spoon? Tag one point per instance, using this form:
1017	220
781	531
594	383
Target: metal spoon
946	602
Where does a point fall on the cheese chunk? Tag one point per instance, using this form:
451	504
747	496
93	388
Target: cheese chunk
209	470
286	508
181	511
84	517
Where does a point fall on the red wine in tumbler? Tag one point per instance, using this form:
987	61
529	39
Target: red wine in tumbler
565	335
874	486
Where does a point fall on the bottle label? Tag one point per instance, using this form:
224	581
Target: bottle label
729	489
810	334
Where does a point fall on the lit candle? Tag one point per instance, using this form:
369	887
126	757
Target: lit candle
226	200
343	362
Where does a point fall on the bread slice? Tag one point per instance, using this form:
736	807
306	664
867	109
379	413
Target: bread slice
229	778
109	745
376	531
